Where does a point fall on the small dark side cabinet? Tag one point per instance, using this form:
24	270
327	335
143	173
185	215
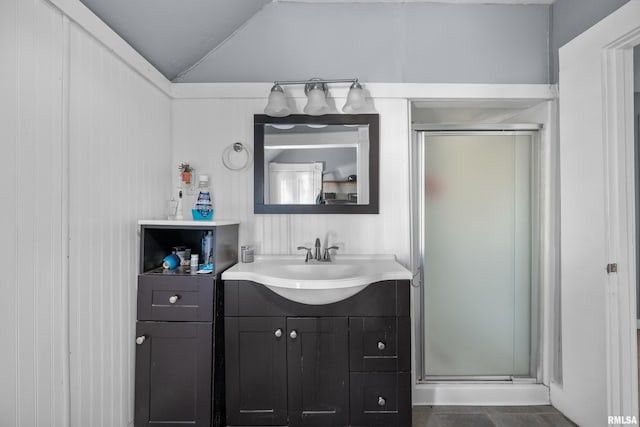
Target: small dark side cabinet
341	364
179	377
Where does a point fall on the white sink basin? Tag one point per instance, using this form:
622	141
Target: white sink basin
318	283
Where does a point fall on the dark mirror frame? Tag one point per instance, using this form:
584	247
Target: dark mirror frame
373	120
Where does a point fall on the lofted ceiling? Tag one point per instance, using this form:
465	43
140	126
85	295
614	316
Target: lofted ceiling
174	35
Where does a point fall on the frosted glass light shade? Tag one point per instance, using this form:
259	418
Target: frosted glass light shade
277	103
316	102
355	99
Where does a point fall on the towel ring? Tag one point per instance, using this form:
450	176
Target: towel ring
236	156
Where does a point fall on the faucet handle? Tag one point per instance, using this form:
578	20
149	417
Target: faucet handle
326	255
308	255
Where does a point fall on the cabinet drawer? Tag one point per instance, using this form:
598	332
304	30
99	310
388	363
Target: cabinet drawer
175	298
380	399
379	344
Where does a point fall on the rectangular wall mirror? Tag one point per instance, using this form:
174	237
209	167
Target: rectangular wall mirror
316	164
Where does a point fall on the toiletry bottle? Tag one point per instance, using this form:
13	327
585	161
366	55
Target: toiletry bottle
179	206
207	248
203	207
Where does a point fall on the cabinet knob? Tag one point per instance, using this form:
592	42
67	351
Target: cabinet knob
381	345
141	339
278	333
174	299
293	334
381	401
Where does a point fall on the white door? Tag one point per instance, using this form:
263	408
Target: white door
597	317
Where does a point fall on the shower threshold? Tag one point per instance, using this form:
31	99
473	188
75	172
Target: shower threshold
471	379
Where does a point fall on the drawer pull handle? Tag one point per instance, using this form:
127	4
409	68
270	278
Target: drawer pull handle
141	339
174	299
293	334
381	345
278	333
381	401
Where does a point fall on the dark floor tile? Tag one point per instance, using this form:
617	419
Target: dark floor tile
517	420
557	420
537	409
463	420
423	417
455	409
489	416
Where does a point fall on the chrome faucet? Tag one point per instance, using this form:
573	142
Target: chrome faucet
308	255
319	255
318	247
326	256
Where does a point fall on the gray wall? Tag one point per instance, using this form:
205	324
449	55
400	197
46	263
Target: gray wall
569	18
385	42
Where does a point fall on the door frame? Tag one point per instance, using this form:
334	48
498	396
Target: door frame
604	53
621	322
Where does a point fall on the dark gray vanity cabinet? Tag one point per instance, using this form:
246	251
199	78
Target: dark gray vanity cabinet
287	371
179	363
341	364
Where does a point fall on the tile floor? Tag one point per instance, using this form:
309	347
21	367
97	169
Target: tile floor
489	416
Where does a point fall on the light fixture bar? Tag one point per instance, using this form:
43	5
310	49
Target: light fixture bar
304	82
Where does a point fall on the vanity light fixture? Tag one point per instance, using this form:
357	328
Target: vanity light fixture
277	103
316	90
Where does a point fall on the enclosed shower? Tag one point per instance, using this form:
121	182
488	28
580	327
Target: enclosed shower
477	213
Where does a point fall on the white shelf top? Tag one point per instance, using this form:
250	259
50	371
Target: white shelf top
187	222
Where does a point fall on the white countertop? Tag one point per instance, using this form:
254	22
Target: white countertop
290	271
318	282
187	222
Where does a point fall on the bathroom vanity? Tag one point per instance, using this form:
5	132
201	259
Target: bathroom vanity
179	373
338	363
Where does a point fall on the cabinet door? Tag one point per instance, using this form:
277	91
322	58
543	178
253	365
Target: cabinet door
318	374
173	374
256	376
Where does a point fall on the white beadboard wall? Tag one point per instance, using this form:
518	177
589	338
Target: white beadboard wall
203	128
32	223
86	147
120	148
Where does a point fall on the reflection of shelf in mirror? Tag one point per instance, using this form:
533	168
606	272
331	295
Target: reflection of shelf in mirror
340	202
339	182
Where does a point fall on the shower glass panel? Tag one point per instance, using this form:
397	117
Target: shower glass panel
477	256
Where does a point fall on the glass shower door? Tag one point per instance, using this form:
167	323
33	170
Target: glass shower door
477	256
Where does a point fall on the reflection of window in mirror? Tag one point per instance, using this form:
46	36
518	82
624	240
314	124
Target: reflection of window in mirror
294	183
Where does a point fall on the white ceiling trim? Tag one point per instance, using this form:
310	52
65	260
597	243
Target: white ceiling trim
422	1
412	91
